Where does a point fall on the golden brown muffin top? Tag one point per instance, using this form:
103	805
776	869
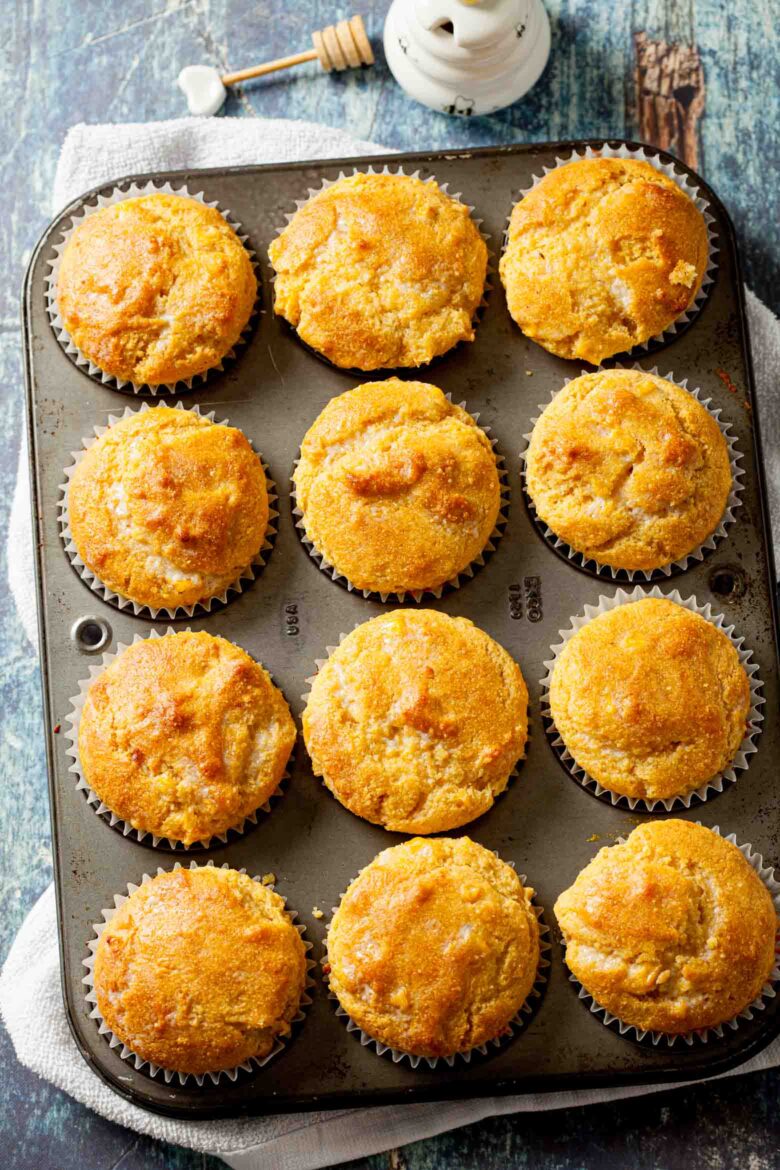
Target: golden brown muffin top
380	271
155	289
629	469
200	970
602	255
416	721
650	699
434	947
183	736
167	508
398	487
672	930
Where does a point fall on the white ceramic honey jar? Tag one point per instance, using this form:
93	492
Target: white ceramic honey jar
467	57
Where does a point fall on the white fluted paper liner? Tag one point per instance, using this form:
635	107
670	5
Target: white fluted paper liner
684	183
118	195
417	595
167	1074
516	1025
702	1035
696	554
73	719
444	188
513	775
717	782
249	573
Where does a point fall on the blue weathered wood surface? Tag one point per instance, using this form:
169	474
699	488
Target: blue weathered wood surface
66	61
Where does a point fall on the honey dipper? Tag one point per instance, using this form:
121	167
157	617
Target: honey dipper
339	46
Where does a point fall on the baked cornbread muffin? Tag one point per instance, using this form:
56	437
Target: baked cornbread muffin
628	469
416	721
602	255
200	970
379	271
434	947
167	508
398	487
155	289
671	931
650	699
183	736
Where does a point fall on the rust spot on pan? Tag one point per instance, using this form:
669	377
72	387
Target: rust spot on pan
727	380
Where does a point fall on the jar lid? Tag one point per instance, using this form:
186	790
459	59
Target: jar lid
457	26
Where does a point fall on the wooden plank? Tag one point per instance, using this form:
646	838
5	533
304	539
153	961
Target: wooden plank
669	95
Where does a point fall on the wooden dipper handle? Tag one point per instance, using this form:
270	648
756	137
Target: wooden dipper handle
339	46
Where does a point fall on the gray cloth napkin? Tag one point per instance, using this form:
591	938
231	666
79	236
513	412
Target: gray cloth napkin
30	996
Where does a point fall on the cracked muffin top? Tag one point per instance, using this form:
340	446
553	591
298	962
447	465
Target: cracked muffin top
602	255
650	699
183	736
628	469
200	970
434	947
672	930
380	271
168	508
155	289
398	487
416	721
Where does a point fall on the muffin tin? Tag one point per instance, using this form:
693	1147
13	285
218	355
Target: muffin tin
545	823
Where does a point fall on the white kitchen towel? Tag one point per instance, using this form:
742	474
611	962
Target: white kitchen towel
30	995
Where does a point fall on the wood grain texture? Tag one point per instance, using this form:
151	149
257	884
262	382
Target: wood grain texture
66	61
669	96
